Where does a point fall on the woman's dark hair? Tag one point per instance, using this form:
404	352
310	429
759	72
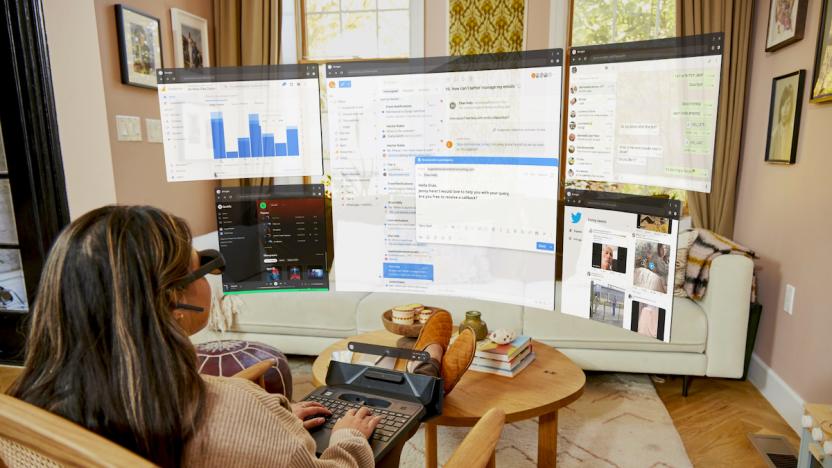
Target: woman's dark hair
104	349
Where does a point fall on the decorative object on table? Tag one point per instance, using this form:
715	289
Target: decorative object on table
474	321
822	73
406	314
227	357
139	46
190	39
784	117
786	23
506	359
425	314
816	436
502	336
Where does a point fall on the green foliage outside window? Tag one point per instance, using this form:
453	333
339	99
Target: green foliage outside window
611	21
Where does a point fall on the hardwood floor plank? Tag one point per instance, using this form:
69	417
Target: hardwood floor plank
715	419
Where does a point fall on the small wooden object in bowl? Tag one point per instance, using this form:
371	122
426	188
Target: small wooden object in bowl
410	331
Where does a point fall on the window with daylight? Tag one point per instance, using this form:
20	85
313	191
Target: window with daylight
611	21
357	29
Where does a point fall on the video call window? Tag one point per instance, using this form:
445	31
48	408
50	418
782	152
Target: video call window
272	238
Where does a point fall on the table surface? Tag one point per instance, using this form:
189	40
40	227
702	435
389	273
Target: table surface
550	382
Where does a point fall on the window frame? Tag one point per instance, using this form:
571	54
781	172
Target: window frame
417	34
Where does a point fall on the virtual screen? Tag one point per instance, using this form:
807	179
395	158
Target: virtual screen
445	175
256	121
272	238
645	112
619	258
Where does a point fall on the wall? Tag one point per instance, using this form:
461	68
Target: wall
80	104
138	167
783	213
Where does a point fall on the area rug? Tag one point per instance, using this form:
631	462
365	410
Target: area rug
618	422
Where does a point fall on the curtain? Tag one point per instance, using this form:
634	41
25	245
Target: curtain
485	26
247	32
715	211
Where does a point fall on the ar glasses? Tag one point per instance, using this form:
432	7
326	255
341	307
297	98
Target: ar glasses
210	262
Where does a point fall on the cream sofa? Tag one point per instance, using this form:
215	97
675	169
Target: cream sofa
707	336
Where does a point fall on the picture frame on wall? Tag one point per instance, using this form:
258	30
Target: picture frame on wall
786	23
190	37
139	46
784	117
822	73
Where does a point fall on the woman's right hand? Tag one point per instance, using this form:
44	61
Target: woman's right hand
362	420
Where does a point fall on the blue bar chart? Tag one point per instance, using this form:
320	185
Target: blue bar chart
257	144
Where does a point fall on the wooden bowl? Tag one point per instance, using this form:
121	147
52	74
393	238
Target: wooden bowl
410	331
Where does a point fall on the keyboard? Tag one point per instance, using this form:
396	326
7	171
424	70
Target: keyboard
393	426
390	423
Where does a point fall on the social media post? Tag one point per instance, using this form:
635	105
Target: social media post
654	265
648	318
606	303
487	201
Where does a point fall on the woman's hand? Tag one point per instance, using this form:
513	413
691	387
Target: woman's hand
362	420
311	413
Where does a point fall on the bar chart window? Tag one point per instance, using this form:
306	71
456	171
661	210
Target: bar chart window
221	123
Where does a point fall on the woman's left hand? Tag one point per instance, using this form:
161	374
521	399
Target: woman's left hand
311	413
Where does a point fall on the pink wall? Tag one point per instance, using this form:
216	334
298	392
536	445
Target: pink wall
785	214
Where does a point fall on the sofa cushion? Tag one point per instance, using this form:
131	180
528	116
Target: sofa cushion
688	331
495	314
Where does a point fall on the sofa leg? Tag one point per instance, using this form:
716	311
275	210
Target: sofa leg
685	385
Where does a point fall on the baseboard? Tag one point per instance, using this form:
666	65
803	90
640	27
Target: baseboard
781	396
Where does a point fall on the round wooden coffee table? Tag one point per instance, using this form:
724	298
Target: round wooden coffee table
550	382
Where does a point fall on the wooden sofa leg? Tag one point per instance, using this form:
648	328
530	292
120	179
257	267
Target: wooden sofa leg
685	385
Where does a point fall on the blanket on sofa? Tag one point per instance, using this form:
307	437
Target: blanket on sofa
706	247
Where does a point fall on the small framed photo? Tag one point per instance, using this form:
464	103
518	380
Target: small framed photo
190	36
139	46
822	74
784	117
786	23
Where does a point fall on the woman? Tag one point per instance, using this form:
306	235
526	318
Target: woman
108	349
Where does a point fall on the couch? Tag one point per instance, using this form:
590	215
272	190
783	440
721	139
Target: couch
707	336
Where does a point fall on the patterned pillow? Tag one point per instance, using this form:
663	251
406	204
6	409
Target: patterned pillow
227	357
683	245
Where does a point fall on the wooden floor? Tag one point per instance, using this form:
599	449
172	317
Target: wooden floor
716	418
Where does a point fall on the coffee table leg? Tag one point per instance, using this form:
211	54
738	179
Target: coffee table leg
547	440
430	446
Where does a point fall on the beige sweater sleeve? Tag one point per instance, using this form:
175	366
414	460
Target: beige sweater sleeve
245	426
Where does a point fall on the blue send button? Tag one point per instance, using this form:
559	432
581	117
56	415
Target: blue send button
345	84
412	271
546	246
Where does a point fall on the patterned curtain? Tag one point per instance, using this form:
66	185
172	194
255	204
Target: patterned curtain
485	26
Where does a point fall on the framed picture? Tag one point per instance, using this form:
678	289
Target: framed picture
786	22
139	46
190	36
822	74
784	117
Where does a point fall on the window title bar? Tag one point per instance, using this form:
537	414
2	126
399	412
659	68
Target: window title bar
664	207
674	47
248	73
240	194
503	61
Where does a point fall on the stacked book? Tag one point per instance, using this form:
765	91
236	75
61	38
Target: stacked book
506	359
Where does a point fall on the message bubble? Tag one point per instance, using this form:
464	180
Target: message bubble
631	160
647	151
638	128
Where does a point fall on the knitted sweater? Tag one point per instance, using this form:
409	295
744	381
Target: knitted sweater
245	426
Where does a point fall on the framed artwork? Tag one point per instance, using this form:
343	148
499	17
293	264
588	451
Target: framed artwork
190	36
784	117
822	74
786	22
139	46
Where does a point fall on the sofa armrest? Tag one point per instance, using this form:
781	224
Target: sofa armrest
726	305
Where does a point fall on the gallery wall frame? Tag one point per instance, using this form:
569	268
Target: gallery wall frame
786	23
190	40
784	117
822	73
139	46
